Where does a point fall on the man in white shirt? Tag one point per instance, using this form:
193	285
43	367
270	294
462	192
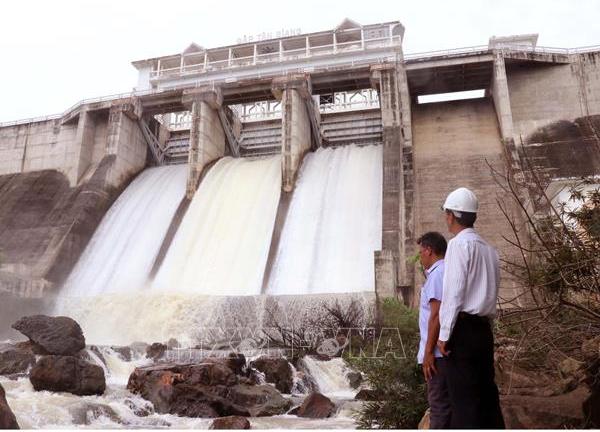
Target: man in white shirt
471	281
432	248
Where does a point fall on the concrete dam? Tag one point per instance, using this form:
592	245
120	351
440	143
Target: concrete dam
276	173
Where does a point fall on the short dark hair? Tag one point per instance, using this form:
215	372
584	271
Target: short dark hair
435	241
466	219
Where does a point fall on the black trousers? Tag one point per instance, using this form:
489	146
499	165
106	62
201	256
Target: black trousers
470	375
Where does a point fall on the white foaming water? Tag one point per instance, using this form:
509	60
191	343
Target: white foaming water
117	408
122	251
222	245
330	376
333	224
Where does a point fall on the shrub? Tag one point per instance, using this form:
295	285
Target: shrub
397	381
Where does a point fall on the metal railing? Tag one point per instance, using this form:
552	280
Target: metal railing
507	47
276	57
78	104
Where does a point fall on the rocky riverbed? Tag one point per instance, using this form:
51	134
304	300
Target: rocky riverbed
55	380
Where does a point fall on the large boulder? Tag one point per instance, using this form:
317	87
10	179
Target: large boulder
156	351
7	417
230	423
259	400
15	361
208	389
277	371
55	335
67	374
543	412
316	406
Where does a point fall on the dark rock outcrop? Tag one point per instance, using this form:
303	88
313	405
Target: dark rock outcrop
125	352
354	379
366	395
46	224
67	374
259	400
277	371
208	389
230	423
55	335
15	362
156	350
7	417
316	406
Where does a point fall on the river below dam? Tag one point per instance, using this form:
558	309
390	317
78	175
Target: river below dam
118	408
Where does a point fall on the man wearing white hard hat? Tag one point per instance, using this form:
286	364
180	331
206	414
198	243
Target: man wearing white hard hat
471	281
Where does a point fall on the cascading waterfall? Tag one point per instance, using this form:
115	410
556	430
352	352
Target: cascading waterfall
222	245
329	376
333	224
122	251
220	249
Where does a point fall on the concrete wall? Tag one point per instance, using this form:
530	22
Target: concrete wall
451	143
76	147
540	94
556	114
38	146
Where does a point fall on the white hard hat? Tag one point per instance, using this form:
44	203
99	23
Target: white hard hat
462	200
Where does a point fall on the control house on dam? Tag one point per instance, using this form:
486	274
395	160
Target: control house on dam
302	165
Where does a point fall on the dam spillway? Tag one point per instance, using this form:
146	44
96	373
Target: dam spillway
222	244
122	251
333	225
219	252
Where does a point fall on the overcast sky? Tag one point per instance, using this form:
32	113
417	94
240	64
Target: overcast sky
57	52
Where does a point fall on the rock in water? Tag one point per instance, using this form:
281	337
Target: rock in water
67	374
56	335
155	351
316	406
230	423
209	389
354	379
277	371
15	361
367	395
259	400
86	414
7	418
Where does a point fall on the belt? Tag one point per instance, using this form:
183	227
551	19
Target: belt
473	318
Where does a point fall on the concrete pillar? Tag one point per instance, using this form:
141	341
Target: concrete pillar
83	145
207	137
398	183
294	91
125	141
501	99
386	278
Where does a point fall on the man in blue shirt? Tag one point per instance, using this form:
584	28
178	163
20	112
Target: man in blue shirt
432	248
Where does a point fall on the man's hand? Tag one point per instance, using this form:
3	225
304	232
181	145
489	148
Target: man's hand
429	366
442	347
